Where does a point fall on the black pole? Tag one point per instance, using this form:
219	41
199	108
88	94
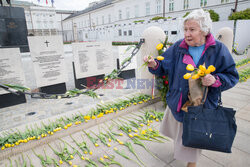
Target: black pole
236	4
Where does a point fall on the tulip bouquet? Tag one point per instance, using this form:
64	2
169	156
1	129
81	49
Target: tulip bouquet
198	72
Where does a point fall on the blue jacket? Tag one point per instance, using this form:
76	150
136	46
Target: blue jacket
174	65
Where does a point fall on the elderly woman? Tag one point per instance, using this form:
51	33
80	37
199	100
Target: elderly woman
197	47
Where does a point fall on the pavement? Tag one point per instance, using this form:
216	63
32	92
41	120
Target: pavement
237	97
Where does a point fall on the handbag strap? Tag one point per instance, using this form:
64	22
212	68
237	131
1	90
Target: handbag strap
205	96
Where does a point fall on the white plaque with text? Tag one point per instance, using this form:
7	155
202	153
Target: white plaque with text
93	58
48	59
124	53
11	71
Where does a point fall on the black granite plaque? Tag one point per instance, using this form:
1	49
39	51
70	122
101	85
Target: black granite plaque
13	34
13	29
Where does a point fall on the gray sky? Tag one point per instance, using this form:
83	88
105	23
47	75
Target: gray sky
65	4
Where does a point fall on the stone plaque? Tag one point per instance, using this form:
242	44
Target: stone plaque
93	58
13	29
125	52
48	59
11	71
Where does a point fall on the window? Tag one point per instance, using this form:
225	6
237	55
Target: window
127	13
96	22
147	8
120	32
224	1
130	32
136	11
125	33
120	14
102	19
158	6
171	5
173	32
109	16
203	3
186	4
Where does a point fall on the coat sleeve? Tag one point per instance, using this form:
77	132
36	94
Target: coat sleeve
226	69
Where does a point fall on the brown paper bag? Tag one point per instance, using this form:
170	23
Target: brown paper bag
196	92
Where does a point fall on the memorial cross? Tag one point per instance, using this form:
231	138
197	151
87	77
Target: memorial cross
47	43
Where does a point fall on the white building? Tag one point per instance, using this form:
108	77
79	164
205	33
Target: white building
42	20
114	19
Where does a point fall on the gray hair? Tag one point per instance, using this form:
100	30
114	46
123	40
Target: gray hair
203	19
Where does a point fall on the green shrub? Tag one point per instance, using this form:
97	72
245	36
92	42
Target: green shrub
158	18
186	14
214	16
115	43
139	21
241	15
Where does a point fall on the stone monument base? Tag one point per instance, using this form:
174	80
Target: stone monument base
10	99
54	89
127	74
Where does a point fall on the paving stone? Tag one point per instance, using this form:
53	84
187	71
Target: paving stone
235	159
241	142
238	96
244	115
234	102
243	126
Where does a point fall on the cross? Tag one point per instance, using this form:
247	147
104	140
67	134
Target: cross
47	43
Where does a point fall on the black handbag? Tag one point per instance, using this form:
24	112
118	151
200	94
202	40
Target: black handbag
210	129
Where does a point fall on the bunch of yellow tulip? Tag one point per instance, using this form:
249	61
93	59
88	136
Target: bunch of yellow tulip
198	72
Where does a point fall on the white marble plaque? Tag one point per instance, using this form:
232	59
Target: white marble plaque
124	53
48	59
11	71
93	58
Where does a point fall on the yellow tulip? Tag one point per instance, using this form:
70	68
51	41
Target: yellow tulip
82	157
207	71
115	148
160	58
187	75
105	156
159	46
211	68
90	153
201	73
96	145
130	135
196	76
190	67
143	132
60	162
202	68
70	162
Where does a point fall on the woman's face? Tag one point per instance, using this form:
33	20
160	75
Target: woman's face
193	34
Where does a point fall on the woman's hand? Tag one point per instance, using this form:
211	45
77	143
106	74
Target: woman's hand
208	80
151	62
